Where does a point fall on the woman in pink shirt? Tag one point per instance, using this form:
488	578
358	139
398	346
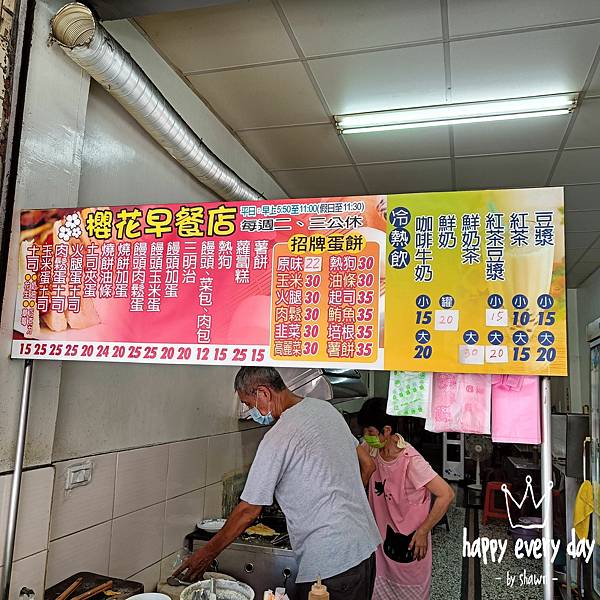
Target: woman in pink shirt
400	492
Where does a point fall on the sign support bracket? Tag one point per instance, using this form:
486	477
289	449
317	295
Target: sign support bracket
546	473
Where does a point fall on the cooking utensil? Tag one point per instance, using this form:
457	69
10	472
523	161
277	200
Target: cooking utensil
94	591
211	525
70	589
281	540
233	590
174	581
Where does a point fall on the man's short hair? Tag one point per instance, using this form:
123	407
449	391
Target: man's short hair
248	380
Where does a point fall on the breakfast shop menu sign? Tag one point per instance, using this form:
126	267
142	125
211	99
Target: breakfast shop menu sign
452	282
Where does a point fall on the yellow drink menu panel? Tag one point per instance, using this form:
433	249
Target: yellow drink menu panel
476	282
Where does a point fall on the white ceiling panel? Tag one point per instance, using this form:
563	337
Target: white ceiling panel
582	197
583	220
477	16
594	88
221	36
403	177
580	240
382	80
510	136
523	64
578	166
341	25
316	183
296	147
573	255
580	272
592	255
503	171
586	131
408	144
261	96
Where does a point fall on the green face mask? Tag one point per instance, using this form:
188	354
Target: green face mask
374	441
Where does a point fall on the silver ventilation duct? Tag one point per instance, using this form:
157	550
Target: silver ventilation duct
88	44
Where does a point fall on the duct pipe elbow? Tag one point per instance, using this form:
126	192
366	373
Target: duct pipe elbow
88	44
73	25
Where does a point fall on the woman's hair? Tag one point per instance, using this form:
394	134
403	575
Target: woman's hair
372	414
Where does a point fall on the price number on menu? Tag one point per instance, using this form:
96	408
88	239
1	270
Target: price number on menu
521	318
423	351
446	320
424	317
546	318
521	353
496	354
496	317
471	355
546	354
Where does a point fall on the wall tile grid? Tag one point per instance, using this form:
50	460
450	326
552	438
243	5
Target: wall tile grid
130	520
33	523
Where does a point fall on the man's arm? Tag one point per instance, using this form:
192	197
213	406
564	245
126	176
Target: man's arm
367	464
241	518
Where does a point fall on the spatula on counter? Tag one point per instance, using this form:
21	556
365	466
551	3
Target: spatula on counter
174	581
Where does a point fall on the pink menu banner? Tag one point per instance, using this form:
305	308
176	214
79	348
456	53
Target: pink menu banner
289	282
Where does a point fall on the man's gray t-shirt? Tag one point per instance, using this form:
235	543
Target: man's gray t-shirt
308	462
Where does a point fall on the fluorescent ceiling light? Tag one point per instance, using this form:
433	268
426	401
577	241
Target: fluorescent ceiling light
456	114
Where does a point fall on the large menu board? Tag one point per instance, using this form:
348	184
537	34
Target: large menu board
425	282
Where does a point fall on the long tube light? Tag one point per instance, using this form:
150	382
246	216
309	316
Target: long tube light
457	114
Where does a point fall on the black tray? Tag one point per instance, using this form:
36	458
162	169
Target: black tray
126	588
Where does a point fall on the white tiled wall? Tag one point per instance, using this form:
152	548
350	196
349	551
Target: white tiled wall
34	512
131	519
137	541
141	478
187	466
231	451
213	507
149	577
166	566
31	544
28	572
180	513
82	507
86	550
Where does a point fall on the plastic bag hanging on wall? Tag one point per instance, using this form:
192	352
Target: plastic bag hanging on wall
516	415
460	402
409	394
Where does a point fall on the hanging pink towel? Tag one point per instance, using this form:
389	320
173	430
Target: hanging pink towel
461	403
516	409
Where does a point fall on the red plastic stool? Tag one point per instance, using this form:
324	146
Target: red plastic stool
490	508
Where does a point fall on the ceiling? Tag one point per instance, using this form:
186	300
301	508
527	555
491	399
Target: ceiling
276	71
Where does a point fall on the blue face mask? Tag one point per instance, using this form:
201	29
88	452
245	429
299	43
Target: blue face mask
261	419
257	416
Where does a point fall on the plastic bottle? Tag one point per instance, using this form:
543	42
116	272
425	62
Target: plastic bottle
318	591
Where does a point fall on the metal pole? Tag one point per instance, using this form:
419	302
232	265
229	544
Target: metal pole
13	507
545	488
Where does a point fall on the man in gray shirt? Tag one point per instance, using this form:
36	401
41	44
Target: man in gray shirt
310	462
